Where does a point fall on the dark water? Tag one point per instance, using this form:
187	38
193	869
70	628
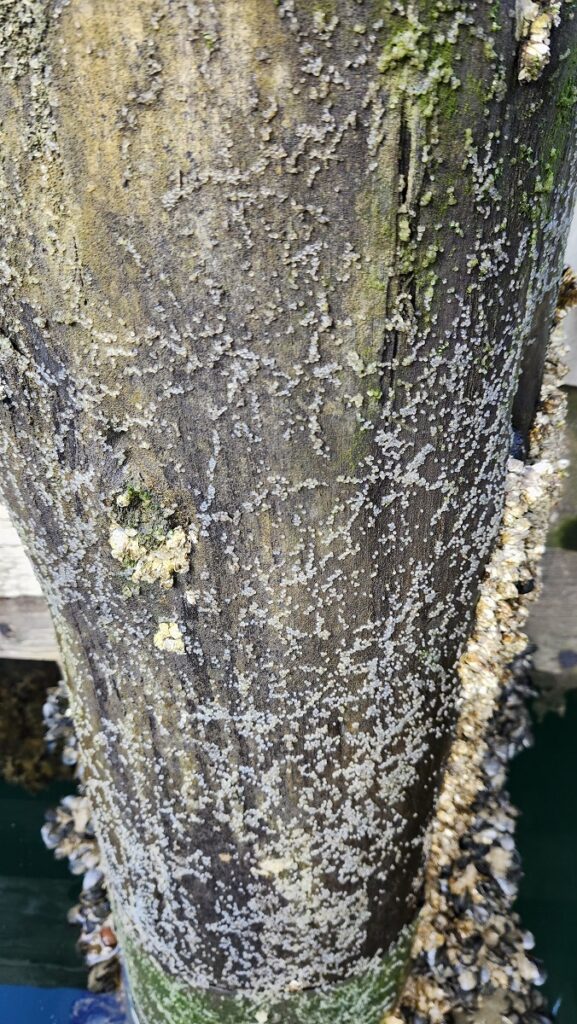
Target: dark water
544	787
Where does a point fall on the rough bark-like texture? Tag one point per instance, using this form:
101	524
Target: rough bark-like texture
269	273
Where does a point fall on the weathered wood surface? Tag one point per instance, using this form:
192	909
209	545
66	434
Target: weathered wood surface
26	629
269	276
552	624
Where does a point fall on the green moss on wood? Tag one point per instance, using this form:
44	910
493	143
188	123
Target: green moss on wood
160	999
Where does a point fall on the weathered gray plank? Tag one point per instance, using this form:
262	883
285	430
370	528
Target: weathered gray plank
16	573
26	629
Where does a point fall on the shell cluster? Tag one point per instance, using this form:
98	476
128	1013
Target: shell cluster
536	23
141	538
59	727
469	943
475	944
68	832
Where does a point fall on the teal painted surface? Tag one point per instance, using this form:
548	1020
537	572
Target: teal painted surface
22	851
37	945
544	787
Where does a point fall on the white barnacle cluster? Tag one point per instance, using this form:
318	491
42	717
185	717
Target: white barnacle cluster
485	670
169	556
150	552
535	23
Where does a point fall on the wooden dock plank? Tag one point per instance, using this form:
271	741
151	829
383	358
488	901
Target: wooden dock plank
26	629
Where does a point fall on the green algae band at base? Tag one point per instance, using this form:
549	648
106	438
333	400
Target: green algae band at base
158	998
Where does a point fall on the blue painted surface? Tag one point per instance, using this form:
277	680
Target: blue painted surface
26	1005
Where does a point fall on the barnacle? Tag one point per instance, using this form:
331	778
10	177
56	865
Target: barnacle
537	23
168	637
145	545
160	563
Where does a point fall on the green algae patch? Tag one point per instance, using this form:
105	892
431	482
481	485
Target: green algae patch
158	998
564	535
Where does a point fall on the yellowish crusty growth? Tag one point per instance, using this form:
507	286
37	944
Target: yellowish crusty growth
145	545
536	21
169	555
168	637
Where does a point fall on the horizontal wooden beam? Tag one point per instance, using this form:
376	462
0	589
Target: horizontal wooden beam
26	629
